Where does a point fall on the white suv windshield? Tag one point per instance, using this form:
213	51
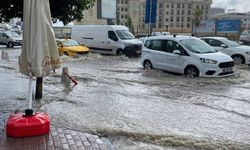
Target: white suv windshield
124	34
197	46
230	43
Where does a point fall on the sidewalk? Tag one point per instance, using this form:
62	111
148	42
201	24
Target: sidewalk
57	139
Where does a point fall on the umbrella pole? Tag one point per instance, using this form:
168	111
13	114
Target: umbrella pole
39	88
29	111
30	93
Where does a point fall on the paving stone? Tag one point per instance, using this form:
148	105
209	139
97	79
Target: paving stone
86	144
64	141
83	138
65	147
99	141
69	137
71	142
94	145
81	148
73	147
79	143
102	147
88	148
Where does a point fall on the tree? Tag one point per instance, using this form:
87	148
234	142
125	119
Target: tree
64	10
130	25
197	18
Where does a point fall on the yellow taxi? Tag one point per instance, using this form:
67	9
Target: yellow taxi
70	47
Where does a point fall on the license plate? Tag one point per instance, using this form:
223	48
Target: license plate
225	70
138	52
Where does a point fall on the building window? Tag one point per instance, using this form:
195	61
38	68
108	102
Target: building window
188	25
159	25
172	19
167	12
177	19
178	12
178	5
160	5
189	6
167	6
189	12
188	19
167	20
182	12
160	19
172	12
172	5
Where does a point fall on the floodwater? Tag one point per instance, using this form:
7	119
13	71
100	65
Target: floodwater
139	109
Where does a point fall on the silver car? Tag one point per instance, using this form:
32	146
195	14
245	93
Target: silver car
245	37
239	53
10	39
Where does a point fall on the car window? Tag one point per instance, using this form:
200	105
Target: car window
112	35
155	44
246	32
215	43
173	45
68	43
197	46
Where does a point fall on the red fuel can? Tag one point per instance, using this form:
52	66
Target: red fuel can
19	125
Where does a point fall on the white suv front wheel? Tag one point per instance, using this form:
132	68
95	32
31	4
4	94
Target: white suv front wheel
191	72
147	65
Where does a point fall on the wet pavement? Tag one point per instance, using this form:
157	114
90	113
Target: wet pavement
138	109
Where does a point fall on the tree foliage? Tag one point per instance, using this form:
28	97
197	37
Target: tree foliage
64	10
197	17
130	25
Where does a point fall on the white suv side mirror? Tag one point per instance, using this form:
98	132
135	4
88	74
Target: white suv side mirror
177	52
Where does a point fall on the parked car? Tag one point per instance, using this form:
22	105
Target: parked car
107	39
185	55
245	37
71	47
10	39
239	53
65	36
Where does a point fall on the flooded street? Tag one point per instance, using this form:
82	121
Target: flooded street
115	97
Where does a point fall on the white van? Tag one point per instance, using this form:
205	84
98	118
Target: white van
107	39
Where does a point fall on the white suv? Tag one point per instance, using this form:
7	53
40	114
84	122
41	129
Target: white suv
185	55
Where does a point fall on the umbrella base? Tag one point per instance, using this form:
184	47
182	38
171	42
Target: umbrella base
19	125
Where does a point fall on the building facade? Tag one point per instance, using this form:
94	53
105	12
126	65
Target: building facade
243	17
172	15
216	10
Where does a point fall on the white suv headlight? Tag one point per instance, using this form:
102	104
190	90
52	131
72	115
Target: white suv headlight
208	61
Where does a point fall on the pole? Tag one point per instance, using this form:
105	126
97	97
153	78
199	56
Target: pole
39	88
30	93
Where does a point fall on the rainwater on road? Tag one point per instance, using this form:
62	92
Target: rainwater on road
115	97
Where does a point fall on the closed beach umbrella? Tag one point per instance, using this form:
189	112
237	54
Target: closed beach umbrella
39	51
39	55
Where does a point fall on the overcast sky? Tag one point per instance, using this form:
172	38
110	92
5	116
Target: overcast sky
239	5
